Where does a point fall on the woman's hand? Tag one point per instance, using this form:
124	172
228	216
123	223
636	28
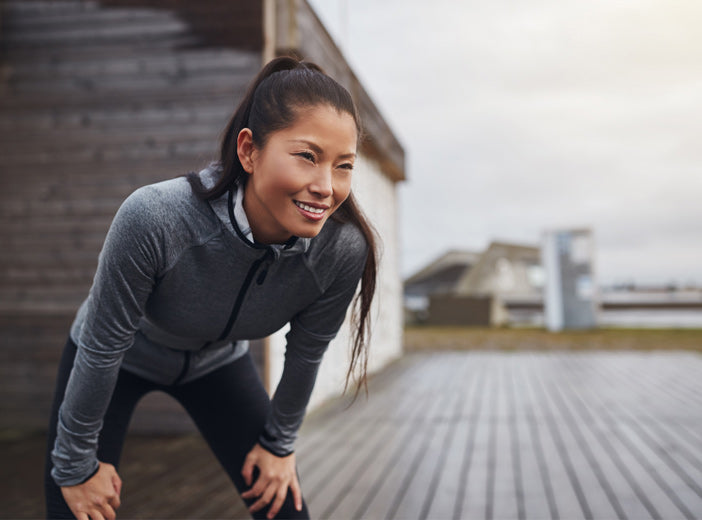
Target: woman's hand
276	475
96	498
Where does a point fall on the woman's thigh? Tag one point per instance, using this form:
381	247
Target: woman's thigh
230	407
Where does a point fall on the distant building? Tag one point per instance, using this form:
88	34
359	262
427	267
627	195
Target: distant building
467	288
438	277
570	299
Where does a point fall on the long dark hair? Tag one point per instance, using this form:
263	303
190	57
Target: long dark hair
271	103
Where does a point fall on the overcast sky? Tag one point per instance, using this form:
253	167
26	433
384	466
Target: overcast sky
518	117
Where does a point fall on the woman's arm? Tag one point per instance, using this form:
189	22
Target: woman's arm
125	276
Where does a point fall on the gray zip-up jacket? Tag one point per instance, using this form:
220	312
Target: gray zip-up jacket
175	275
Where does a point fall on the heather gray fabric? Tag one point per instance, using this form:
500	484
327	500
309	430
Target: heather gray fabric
169	273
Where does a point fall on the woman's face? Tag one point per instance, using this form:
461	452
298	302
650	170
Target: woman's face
300	176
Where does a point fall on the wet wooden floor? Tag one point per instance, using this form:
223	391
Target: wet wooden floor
454	435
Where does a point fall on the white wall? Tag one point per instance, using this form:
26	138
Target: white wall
378	198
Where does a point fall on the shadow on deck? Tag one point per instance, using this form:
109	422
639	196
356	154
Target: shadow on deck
452	435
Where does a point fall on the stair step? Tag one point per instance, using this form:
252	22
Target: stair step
46	298
96	119
109	174
113	49
159	63
225	88
95	208
30	9
190	150
108	137
40	225
92	28
87	83
77	16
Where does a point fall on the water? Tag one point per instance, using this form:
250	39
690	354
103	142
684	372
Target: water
663	318
629	318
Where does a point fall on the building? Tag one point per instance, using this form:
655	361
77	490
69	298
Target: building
438	277
570	298
100	97
466	288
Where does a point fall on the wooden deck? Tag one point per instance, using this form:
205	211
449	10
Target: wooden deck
454	435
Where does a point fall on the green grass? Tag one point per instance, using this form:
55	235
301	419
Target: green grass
420	338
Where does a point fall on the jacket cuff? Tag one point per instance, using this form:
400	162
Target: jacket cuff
65	479
274	445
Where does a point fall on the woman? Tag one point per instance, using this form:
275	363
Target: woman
193	267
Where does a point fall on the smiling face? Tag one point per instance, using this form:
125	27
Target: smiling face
300	176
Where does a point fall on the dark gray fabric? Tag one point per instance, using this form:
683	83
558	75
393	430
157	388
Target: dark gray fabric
167	278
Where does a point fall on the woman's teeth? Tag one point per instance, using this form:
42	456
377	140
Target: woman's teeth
309	208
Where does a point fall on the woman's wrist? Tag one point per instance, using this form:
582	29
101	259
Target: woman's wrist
273	445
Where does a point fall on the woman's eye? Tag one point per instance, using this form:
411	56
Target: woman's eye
346	166
306	155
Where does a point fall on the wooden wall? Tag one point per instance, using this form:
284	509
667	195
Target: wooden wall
96	100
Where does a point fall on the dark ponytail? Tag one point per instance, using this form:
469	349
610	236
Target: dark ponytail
271	103
349	211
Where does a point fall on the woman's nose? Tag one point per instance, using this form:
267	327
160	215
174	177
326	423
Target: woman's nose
321	185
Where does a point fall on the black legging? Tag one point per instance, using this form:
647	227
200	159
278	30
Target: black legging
229	406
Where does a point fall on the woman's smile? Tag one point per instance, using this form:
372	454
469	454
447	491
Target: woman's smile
311	211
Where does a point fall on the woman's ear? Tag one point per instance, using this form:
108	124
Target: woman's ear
245	149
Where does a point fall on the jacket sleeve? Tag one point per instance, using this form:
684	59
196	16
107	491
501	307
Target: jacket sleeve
125	276
309	336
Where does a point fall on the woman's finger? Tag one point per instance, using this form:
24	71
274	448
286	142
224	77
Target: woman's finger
278	502
117	483
115	502
247	470
96	515
296	493
264	500
257	490
105	512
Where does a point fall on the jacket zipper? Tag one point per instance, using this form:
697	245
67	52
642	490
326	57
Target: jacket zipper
242	293
235	310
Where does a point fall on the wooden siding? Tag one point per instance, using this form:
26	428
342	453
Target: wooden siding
97	100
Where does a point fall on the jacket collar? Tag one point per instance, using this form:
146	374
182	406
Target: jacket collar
229	208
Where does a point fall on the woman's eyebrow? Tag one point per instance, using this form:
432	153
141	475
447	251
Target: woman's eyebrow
315	148
318	150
